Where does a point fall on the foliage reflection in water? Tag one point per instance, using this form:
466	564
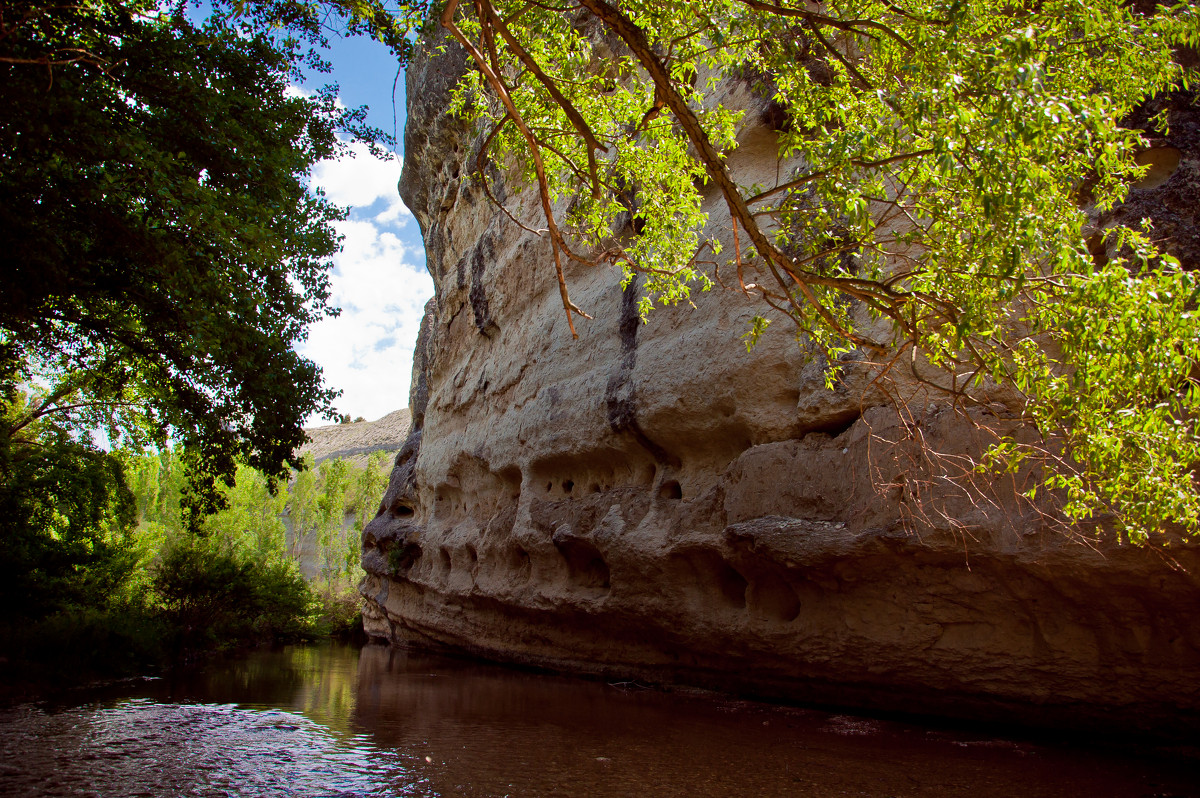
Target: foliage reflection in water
334	721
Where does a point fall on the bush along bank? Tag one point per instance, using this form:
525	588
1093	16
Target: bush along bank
136	592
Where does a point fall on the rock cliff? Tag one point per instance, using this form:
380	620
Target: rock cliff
651	501
358	440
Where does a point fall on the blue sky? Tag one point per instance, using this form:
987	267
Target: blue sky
379	280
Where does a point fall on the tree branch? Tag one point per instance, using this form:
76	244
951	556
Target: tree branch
812	18
817	175
577	121
557	244
635	38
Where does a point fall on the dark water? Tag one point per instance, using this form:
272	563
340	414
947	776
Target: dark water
334	721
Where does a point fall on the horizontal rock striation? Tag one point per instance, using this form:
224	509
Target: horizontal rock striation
653	502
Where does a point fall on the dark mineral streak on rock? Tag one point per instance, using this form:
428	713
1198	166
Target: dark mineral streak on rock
460	269
489	172
619	398
483	253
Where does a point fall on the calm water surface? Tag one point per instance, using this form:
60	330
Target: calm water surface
337	721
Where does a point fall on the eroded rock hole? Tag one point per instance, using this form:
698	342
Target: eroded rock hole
586	566
511	475
730	584
444	558
1098	250
837	424
401	556
670	490
776	117
712	578
1161	162
568	486
518	562
403	511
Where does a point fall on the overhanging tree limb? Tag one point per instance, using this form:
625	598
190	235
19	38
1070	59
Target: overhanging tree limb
942	150
558	245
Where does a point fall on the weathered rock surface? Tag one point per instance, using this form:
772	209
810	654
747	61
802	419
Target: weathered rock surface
357	441
650	501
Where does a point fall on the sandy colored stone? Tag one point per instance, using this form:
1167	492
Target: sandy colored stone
358	440
651	501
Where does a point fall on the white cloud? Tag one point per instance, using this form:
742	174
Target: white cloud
379	281
361	181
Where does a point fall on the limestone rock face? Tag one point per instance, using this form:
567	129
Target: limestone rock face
651	501
357	441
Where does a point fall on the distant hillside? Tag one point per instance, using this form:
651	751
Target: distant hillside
355	442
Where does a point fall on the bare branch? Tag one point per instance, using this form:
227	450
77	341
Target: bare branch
481	171
818	174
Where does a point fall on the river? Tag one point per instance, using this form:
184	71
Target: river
339	721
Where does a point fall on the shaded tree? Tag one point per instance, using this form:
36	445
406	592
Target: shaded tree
67	518
160	253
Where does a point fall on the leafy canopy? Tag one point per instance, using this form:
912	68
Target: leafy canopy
937	162
160	252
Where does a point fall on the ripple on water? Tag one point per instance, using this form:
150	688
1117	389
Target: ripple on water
142	747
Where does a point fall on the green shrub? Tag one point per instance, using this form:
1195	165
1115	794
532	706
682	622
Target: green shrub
66	520
212	599
78	644
341	613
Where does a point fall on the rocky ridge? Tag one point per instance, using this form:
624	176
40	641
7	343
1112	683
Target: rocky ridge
358	440
653	502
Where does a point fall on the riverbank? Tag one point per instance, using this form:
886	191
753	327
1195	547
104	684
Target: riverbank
85	648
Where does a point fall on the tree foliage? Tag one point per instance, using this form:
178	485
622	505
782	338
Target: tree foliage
160	253
67	522
311	523
938	163
160	256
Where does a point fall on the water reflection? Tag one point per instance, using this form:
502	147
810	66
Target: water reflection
492	731
333	721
